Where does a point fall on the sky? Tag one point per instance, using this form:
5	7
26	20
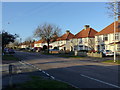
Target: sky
23	18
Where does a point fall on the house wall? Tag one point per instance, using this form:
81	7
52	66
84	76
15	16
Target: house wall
61	44
23	46
83	43
37	45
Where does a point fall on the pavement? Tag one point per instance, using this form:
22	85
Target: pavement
81	73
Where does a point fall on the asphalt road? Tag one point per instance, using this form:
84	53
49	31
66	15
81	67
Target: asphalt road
81	73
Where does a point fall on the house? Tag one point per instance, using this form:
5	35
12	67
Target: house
26	44
41	44
105	38
63	42
84	40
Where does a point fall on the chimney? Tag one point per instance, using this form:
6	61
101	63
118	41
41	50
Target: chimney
86	26
119	19
67	31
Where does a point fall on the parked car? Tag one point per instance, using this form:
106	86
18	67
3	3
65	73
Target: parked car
11	51
107	52
6	51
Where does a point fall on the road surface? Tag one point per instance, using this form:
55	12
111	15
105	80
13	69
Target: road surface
81	73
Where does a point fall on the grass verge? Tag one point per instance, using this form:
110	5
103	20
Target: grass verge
9	57
70	56
112	61
40	83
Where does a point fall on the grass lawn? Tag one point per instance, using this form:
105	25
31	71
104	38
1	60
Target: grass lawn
9	57
112	61
70	56
40	83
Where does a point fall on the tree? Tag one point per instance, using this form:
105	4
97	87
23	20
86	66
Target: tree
47	32
111	7
7	38
91	43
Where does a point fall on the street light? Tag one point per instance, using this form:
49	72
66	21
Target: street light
115	9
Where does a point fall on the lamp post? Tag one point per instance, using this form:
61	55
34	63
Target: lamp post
115	9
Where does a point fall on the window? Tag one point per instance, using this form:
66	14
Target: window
105	37
80	41
103	46
85	40
81	47
116	36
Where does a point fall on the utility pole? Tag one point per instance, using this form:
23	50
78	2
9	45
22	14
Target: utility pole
115	12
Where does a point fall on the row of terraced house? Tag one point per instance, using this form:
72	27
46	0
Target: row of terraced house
86	39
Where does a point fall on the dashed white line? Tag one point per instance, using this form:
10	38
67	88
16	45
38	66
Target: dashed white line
23	62
100	81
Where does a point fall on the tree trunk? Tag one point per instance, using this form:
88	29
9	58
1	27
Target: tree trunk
48	41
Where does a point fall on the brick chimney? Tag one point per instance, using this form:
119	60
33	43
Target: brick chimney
119	19
67	31
86	26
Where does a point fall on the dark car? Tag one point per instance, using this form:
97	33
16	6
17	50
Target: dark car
11	51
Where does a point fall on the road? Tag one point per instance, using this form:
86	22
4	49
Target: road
81	73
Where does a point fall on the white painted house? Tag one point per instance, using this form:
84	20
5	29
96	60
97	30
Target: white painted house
105	38
84	40
63	41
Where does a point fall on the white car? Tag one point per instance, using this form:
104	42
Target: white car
107	52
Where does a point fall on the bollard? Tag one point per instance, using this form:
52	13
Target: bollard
10	73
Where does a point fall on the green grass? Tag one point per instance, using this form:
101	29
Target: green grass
112	61
69	56
9	57
40	83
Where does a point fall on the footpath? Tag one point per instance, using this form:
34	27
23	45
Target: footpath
21	73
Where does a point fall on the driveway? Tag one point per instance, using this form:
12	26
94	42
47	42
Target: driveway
81	73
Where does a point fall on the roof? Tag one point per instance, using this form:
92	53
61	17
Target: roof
109	29
66	36
89	32
39	41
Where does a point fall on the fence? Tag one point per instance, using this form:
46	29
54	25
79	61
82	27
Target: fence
77	53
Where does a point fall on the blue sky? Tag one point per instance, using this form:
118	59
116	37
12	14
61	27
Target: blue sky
24	17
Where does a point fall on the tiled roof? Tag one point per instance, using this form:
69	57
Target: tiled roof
66	36
89	32
109	29
39	41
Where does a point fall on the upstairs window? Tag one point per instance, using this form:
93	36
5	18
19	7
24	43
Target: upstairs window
80	41
105	37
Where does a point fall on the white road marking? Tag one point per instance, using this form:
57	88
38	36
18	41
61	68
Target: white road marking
100	81
37	68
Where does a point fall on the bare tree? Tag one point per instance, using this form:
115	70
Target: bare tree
91	44
47	31
29	39
110	7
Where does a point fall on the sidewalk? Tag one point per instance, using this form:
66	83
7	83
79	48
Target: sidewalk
22	74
